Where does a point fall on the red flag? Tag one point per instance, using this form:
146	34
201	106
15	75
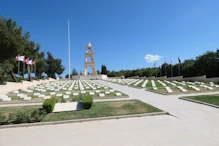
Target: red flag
179	60
165	63
16	58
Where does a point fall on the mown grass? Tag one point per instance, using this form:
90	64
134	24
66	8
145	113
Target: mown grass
105	109
99	109
211	99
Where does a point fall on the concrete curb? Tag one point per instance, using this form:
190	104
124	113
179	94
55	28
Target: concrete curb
200	102
83	120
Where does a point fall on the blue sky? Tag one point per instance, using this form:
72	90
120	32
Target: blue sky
122	32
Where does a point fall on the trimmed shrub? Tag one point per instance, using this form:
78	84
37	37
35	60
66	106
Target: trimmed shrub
2	119
87	102
49	104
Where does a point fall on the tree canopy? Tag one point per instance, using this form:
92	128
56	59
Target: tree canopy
14	41
103	70
205	64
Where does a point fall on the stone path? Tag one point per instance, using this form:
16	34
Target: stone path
191	125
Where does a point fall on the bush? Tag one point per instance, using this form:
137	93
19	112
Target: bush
12	118
63	100
23	117
49	104
2	119
87	102
37	115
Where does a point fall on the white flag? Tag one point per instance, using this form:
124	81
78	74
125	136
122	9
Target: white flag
171	60
29	62
21	58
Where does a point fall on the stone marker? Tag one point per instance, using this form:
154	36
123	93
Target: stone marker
118	94
59	95
75	94
107	92
16	92
47	97
101	95
83	92
52	93
97	91
65	96
91	93
68	92
41	95
111	90
27	98
36	94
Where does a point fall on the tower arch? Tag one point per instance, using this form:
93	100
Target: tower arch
89	53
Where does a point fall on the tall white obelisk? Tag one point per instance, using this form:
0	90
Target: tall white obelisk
69	50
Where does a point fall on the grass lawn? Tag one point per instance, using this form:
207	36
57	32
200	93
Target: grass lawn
105	109
211	99
149	84
99	109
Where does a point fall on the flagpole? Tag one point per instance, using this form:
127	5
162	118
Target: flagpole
69	50
35	68
160	68
156	69
165	69
179	69
171	70
23	67
18	66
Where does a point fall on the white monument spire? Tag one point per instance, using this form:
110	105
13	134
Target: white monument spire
89	44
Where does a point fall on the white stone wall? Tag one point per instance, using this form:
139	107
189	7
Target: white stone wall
88	77
196	78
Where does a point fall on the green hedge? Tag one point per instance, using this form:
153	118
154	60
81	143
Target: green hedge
31	116
49	104
87	101
2	119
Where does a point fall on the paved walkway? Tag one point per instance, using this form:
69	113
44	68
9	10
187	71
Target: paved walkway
191	125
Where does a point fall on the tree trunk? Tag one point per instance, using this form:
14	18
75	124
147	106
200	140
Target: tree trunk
29	74
13	76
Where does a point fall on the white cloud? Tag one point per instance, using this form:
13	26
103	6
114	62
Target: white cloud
152	58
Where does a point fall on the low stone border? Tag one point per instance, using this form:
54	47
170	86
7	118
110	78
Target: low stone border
115	99
27	102
83	120
136	87
200	102
95	99
158	92
109	97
